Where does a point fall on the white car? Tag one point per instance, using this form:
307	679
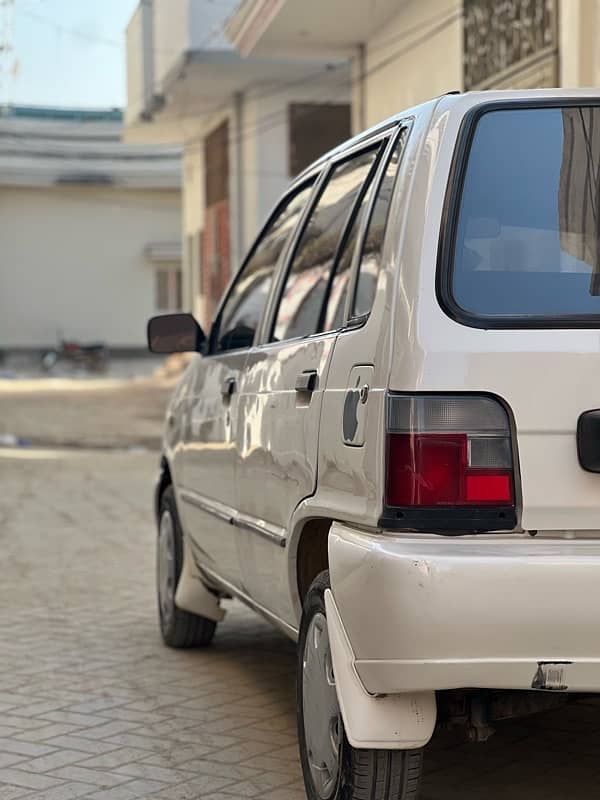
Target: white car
389	442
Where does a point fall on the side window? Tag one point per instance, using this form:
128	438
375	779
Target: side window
336	304
371	257
243	309
309	278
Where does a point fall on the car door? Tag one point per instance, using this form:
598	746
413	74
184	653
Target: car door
208	491
285	376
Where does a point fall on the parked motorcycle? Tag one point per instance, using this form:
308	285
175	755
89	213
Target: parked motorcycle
92	357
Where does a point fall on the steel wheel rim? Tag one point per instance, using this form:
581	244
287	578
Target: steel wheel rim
165	567
321	710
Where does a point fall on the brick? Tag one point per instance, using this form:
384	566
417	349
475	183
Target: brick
116	758
89	746
67	791
23	748
59	758
150	772
96	777
28	780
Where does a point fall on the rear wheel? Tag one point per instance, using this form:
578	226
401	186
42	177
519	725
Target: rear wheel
332	768
179	628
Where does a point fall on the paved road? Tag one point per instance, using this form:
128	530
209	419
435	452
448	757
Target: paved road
92	705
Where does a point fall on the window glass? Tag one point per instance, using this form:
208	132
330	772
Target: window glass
527	241
243	310
168	289
370	264
307	284
161	301
339	289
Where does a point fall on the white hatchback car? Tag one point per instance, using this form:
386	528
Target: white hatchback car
389	443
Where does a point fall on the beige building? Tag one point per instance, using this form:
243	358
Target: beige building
406	51
246	126
90	230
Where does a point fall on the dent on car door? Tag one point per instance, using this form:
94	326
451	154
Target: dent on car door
285	379
210	496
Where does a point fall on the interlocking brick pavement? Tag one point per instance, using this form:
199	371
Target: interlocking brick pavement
93	706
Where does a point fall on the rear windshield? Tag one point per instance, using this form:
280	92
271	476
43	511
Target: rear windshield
527	242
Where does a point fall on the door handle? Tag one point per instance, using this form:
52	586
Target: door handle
307	381
228	387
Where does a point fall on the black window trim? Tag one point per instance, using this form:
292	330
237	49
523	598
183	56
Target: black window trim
449	226
309	178
363	146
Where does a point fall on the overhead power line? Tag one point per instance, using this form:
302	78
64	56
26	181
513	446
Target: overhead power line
270	120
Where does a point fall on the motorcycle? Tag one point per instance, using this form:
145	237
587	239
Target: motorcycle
92	357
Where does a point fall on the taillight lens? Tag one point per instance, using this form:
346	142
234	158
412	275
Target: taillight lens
448	451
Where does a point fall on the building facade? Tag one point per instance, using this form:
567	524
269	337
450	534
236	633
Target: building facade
406	51
90	230
246	126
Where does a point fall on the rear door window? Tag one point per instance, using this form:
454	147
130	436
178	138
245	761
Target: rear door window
527	232
312	273
370	263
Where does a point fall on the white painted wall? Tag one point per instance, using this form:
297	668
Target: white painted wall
72	258
140	62
265	155
579	28
171	36
416	56
193	223
206	20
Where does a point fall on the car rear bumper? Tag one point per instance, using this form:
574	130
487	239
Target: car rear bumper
497	611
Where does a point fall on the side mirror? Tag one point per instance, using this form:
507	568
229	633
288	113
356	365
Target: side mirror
175	333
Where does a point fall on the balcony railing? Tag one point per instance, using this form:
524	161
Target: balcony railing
501	38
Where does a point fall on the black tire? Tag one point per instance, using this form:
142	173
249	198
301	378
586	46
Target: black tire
179	628
363	774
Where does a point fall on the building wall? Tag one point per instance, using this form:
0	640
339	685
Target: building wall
579	29
415	57
171	36
73	260
193	223
265	142
259	164
140	62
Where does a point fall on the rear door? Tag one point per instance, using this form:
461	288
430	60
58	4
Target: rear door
285	377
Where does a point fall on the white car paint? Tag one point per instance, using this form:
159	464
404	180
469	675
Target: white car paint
411	612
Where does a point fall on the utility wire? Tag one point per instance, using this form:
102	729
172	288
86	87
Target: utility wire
274	119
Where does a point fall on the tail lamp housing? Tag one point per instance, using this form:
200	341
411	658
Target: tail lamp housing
449	464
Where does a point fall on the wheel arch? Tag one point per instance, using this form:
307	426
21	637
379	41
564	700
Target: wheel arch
311	554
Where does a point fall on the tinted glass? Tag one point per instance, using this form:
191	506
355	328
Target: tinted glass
528	231
245	304
370	264
307	284
336	303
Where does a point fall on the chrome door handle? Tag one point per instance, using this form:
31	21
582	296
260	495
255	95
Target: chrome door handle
307	381
228	387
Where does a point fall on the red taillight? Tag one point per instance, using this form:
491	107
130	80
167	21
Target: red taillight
448	451
489	486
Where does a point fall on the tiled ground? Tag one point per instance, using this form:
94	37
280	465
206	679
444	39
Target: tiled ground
92	705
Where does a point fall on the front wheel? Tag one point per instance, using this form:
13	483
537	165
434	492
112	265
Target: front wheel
332	768
179	628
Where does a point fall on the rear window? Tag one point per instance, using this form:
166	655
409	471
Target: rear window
527	235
